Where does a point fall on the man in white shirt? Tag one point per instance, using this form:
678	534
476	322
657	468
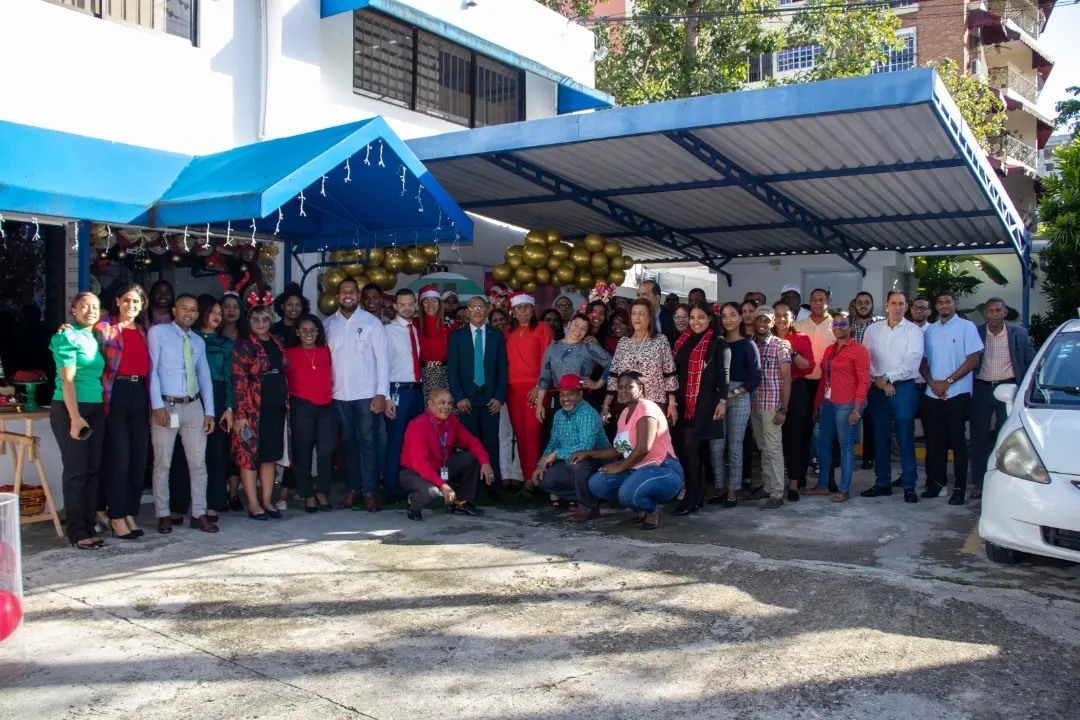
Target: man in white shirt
406	399
361	368
896	351
818	326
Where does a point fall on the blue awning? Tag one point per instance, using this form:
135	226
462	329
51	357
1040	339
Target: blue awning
361	184
572	95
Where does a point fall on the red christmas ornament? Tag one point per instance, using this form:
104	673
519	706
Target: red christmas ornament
10	614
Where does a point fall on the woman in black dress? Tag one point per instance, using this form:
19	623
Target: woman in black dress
702	397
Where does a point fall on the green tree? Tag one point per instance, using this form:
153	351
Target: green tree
940	274
853	42
1059	262
1068	111
981	109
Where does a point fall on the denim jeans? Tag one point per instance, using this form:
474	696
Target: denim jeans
358	433
833	421
641	489
899	409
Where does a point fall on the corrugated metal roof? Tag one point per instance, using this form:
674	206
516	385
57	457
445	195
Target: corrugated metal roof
877	162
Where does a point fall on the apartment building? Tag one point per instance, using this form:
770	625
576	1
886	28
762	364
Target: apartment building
1047	159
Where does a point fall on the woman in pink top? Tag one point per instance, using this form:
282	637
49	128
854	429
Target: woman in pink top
646	471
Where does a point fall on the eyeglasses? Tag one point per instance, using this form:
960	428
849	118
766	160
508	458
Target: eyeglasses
840	324
920	307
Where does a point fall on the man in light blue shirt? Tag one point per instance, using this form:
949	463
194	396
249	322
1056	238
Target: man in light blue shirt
182	401
951	353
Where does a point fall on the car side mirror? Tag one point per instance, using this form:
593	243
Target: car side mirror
1007	394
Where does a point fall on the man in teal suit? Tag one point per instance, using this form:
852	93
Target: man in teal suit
477	367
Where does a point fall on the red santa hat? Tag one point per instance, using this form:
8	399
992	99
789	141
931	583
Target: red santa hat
521	298
498	290
429	291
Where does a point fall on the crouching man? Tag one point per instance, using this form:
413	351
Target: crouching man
430	467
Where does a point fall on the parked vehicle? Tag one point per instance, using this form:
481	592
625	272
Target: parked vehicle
1031	491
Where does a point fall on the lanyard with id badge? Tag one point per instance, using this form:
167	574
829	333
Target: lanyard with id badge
444	471
828	372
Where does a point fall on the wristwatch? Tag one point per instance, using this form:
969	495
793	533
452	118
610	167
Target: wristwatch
782	411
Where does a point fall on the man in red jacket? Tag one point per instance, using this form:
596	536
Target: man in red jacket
430	467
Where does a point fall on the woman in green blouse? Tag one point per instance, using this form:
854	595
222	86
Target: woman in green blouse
77	417
219	352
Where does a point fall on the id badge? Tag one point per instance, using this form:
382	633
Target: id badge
174	420
828	393
444	473
395	397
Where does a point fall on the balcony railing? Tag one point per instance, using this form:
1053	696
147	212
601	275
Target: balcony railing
1007	146
1026	15
1009	78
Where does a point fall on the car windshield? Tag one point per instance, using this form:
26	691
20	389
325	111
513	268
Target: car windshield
1057	379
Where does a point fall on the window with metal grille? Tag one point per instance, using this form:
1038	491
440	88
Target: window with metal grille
173	17
797	58
902	59
760	67
398	63
383	58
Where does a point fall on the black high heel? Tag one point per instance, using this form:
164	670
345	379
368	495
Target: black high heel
126	536
80	546
235	504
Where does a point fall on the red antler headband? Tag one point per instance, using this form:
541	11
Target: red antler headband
254	300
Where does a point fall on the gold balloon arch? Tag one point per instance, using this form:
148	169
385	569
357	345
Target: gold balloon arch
546	259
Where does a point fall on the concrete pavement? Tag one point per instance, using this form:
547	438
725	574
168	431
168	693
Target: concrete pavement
870	608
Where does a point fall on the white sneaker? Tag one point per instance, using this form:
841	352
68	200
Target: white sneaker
282	505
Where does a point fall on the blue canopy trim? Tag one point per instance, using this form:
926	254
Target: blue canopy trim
572	95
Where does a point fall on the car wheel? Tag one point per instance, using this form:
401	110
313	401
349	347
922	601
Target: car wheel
1003	555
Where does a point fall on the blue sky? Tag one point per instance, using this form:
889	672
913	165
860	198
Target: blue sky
1062	43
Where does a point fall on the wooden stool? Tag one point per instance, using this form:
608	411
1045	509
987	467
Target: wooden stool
26	448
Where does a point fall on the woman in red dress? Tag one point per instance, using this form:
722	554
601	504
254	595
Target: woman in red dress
526	341
434	341
262	405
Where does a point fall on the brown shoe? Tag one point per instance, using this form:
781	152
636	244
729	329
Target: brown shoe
371	504
164	525
348	501
203	523
840	497
815	491
773	503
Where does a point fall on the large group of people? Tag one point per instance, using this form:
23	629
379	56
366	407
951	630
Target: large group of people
637	401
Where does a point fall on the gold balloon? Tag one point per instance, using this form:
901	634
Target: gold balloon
615	263
502	272
553	235
415	261
612	249
375	256
627	262
431	252
530	287
390	282
599	262
535	255
354	270
341	256
524	274
594	243
328	303
581	257
333	278
394	259
378	275
515	250
361	280
361	255
553	263
583	281
616	277
578	244
565	275
514	261
536	236
543	276
560	250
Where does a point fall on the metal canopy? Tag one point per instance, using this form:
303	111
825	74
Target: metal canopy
881	162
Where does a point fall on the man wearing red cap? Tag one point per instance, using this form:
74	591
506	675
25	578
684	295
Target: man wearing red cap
576	428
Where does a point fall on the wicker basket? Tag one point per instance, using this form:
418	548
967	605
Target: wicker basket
31	499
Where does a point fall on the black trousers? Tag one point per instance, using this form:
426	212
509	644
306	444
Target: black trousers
217	459
571	481
464	471
314	427
945	422
81	459
986	412
485	426
692	452
127	447
868	447
797	429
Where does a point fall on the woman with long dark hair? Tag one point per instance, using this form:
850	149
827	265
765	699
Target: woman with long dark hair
700	359
619	327
262	405
232	316
526	341
312	416
290	305
434	341
599	328
219	356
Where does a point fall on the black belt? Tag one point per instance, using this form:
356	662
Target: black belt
180	400
479	388
995	383
406	385
903	382
129	378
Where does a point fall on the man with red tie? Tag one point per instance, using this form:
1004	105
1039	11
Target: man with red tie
406	399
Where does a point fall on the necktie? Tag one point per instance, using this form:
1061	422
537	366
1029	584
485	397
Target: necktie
189	366
415	353
478	357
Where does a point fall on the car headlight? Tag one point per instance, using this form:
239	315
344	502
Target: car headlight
1016	456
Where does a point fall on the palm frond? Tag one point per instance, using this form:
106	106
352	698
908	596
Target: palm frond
991	271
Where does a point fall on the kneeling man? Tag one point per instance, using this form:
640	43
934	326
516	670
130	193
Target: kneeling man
430	467
576	429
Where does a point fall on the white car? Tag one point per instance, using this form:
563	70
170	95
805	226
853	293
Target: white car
1031	491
